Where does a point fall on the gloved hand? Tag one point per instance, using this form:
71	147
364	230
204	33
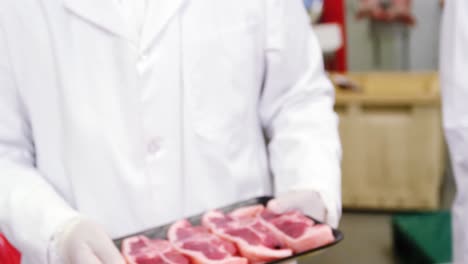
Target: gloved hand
83	242
307	201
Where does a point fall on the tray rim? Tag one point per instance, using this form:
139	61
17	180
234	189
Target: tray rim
337	233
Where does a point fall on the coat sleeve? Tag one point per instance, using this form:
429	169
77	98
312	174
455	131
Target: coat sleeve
30	209
454	82
453	64
297	108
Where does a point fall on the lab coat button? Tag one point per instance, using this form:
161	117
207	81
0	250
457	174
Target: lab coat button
143	57
142	64
154	146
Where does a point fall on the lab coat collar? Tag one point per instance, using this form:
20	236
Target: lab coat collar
160	13
106	14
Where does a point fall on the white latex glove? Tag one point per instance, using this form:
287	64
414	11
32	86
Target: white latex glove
307	201
82	242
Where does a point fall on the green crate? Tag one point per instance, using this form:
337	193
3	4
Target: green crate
423	237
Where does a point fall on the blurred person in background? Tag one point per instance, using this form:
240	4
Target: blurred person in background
118	116
454	80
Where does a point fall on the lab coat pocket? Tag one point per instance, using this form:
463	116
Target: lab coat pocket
223	80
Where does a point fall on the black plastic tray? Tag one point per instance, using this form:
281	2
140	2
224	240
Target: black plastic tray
161	232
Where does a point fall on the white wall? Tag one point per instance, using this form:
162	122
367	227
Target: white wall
424	43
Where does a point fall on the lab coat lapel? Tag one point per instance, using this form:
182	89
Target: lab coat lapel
160	13
106	14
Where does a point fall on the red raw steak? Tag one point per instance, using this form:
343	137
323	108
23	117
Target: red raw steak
202	246
141	250
299	232
254	240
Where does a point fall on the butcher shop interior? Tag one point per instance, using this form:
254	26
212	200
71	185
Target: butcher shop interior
397	182
398	148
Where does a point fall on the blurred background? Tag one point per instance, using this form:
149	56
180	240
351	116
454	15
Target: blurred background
382	56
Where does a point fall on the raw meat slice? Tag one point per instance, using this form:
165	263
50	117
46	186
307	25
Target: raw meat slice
141	250
202	246
243	227
299	232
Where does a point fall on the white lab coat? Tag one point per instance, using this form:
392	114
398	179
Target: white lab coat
454	80
79	134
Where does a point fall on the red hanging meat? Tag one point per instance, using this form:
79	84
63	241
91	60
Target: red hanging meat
386	10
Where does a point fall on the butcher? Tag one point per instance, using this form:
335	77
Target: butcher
121	115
